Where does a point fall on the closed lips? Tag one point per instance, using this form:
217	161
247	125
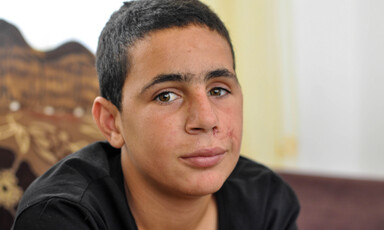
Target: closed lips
204	158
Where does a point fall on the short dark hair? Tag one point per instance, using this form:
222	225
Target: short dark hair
132	22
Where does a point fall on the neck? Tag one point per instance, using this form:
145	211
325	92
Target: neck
153	212
160	210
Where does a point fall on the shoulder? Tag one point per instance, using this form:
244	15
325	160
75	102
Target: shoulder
70	178
56	213
259	196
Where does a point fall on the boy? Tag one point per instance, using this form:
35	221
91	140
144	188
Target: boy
171	111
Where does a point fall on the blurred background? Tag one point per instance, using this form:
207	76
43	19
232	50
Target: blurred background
313	78
312	73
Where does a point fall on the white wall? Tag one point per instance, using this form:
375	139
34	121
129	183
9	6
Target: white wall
46	24
340	73
371	56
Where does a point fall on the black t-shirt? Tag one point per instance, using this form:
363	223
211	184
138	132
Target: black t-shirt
86	191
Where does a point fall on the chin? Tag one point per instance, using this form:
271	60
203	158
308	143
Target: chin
207	185
206	182
201	192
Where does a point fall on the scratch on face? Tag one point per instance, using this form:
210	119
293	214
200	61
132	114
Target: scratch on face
230	134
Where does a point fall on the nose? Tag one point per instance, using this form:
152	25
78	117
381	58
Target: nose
202	115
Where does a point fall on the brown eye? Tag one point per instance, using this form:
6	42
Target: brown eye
166	97
217	92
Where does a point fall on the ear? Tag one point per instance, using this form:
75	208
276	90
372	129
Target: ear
107	118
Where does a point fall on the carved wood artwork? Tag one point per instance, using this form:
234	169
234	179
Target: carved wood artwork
45	104
64	78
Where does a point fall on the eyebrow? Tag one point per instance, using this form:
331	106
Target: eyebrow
177	77
220	73
166	78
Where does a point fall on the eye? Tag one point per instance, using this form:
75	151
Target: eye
166	97
218	92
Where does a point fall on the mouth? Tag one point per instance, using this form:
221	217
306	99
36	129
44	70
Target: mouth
204	158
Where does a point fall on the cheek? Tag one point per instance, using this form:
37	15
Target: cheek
160	132
171	137
234	124
151	142
234	134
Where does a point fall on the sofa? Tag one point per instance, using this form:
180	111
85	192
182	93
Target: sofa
336	202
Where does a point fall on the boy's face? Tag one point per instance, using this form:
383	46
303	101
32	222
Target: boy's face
181	117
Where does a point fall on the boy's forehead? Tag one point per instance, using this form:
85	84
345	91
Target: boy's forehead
182	54
175	39
152	38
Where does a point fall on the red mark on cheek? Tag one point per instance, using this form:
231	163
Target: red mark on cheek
230	134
